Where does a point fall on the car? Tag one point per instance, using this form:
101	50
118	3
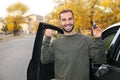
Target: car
108	71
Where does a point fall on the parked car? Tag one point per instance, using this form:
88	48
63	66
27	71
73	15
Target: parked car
109	71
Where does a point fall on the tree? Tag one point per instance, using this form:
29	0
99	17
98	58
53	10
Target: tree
103	12
17	9
5	29
16	13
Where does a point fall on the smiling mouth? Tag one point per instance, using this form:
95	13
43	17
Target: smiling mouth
68	28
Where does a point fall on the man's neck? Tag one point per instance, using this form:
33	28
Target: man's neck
70	33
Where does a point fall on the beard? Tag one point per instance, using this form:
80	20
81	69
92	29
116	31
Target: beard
68	31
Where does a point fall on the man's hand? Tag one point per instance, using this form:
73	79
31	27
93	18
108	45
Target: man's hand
97	32
48	32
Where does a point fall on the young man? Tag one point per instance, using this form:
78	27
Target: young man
72	51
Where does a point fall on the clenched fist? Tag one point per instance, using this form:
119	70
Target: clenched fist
48	32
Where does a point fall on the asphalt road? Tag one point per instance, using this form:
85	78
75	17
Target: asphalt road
14	58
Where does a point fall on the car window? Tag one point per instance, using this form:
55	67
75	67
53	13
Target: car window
118	46
111	38
116	43
108	41
112	47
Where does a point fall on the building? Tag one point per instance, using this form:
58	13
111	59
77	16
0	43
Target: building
1	24
29	26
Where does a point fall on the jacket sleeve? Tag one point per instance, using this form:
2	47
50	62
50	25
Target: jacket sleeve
47	51
97	52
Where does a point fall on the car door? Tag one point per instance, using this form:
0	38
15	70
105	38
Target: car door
36	70
111	70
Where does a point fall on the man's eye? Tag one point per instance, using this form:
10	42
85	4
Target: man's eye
63	19
70	18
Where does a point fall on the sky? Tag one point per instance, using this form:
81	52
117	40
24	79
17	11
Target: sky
39	7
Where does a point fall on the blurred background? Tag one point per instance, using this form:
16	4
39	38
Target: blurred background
19	20
24	16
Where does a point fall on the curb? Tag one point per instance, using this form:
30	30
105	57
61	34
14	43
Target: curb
11	37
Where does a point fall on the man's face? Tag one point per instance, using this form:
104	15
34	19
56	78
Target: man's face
67	21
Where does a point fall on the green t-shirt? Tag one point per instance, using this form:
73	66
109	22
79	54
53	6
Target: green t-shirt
71	55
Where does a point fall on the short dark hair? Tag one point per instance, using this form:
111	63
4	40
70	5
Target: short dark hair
66	10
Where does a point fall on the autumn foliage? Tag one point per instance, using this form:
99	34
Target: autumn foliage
103	12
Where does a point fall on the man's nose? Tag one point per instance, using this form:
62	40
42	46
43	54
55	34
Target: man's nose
67	21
